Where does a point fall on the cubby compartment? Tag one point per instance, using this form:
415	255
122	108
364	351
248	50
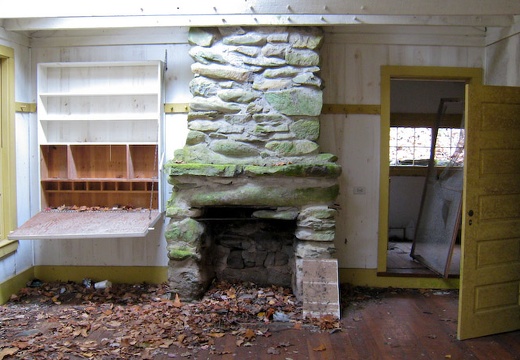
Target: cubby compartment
143	161
98	161
99	137
53	162
99	133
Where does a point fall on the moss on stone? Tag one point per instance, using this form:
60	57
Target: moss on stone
292	148
306	129
297	101
181	253
173	169
187	230
234	148
296	170
267	196
195	137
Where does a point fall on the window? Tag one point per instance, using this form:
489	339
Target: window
411	146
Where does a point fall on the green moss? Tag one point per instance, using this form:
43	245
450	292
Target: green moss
188	231
306	129
296	170
181	253
267	196
174	169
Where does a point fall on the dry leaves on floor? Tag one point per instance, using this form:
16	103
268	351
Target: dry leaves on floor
137	321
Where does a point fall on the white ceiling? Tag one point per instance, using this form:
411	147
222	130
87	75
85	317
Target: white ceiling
467	20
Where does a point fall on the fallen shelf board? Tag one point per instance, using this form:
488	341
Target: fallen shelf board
86	224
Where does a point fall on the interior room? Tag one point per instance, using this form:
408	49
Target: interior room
123	128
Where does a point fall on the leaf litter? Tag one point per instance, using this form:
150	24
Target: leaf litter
70	320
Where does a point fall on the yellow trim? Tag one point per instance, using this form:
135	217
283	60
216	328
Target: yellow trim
7	247
25	107
116	274
14	284
369	277
7	143
470	75
351	109
424	120
176	108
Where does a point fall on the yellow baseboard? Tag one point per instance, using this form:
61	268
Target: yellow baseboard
14	284
116	274
369	277
159	274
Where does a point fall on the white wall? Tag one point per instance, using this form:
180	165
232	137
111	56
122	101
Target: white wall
151	250
503	56
21	260
351	72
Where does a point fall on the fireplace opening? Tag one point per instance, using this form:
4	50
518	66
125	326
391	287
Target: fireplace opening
244	245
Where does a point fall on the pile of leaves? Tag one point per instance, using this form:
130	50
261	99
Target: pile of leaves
70	320
83	208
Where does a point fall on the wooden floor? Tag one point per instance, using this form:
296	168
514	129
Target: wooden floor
407	324
399	262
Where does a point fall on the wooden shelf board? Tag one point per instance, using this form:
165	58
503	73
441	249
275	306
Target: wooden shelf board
85	225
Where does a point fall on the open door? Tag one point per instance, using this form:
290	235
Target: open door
489	300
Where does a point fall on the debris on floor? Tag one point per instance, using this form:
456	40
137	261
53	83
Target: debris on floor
140	321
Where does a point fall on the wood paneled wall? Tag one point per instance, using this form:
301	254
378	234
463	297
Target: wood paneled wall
351	74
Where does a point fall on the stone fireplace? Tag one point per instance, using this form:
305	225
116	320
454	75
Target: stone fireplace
252	194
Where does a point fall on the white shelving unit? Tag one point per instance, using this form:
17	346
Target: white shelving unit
100	133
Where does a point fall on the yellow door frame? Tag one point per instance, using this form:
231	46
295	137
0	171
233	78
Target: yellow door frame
470	75
7	151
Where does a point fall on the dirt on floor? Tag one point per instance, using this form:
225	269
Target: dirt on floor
70	320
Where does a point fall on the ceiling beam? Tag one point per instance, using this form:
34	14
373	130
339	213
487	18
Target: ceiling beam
114	22
66	8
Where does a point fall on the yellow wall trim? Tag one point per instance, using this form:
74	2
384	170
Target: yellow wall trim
351	109
14	284
369	277
8	247
116	274
25	107
176	108
370	109
7	143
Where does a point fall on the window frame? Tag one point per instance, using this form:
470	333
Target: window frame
8	210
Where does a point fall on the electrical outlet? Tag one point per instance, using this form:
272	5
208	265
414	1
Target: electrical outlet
359	190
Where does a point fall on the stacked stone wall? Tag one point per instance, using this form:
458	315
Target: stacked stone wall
256	96
252	143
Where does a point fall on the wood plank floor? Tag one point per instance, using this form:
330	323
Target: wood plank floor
399	262
406	324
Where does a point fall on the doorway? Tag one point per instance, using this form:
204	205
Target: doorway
426	117
411	98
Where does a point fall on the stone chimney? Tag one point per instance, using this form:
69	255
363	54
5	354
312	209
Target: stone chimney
251	147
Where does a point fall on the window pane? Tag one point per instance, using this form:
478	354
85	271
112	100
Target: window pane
411	146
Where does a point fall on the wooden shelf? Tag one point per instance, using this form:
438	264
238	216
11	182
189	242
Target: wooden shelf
99	175
98	132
